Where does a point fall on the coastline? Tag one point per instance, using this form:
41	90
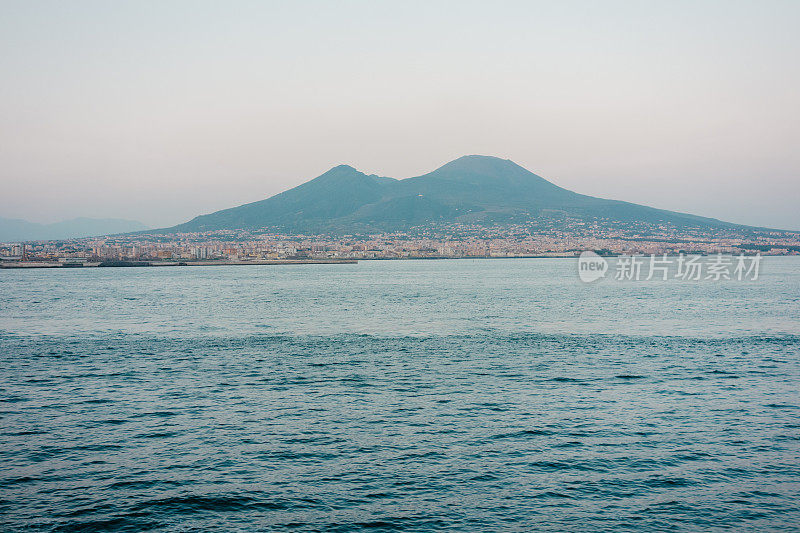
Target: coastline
133	264
20	265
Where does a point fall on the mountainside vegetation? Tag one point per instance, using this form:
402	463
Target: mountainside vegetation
477	190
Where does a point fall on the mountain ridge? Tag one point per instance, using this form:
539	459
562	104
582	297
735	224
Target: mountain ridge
473	189
16	229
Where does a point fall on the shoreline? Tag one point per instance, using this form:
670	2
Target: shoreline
19	265
140	264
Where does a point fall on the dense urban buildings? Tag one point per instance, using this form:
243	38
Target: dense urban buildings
452	241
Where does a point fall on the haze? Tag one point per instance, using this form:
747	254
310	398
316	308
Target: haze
160	111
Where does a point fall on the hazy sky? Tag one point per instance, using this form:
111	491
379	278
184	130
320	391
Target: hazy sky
162	110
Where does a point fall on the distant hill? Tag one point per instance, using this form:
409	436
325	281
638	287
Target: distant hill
12	229
472	189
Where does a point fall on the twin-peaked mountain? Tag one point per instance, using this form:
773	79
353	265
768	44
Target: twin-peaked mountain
476	190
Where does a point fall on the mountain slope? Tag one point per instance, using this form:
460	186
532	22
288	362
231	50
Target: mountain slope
12	229
472	189
335	194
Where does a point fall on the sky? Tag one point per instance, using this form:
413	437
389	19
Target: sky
159	111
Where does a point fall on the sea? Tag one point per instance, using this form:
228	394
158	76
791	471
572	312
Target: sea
419	395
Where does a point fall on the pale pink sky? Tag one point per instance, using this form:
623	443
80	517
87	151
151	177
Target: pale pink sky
159	111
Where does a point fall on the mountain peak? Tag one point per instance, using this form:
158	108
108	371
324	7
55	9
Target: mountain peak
346	173
337	173
479	157
480	164
473	189
340	170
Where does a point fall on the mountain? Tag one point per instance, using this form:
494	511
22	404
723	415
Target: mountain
473	189
13	229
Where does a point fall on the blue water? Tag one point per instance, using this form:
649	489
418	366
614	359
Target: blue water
493	395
